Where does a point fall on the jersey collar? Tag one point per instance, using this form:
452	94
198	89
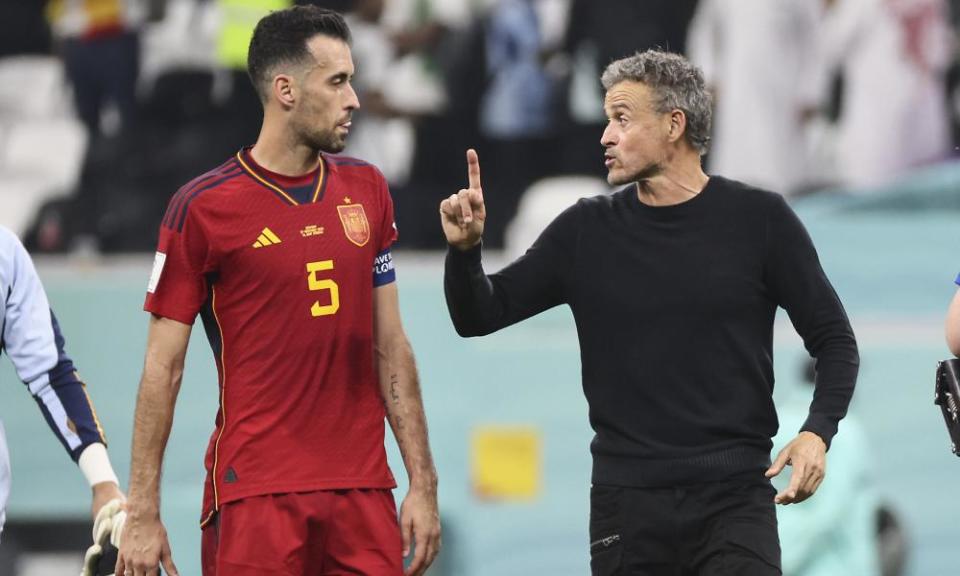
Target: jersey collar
262	177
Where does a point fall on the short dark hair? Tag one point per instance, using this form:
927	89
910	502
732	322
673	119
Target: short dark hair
281	38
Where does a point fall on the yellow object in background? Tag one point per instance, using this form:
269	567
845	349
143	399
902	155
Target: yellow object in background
506	462
238	18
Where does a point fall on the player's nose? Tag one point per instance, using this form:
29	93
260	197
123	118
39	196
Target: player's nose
607	139
352	101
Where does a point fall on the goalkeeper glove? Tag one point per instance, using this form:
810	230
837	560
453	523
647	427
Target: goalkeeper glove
101	558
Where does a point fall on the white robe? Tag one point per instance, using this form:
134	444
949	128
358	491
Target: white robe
893	54
759	58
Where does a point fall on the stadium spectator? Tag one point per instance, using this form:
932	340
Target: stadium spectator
381	133
32	340
100	44
238	18
516	112
674	283
284	252
759	60
434	80
599	33
893	56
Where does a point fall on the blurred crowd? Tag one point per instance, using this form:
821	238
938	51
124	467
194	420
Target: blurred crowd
108	106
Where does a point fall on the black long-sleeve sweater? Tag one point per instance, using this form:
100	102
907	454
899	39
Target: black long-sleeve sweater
674	308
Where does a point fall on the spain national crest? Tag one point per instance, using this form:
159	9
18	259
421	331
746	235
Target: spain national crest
355	224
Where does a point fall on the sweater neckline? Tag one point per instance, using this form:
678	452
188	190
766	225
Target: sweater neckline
671	210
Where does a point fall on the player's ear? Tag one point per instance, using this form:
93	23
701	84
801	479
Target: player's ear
678	125
283	90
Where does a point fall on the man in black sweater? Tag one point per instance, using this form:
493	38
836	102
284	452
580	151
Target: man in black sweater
674	282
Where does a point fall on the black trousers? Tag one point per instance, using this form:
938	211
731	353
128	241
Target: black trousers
717	529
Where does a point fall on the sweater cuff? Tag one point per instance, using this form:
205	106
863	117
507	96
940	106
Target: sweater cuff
466	257
823	426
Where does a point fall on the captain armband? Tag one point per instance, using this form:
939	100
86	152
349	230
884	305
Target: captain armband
383	271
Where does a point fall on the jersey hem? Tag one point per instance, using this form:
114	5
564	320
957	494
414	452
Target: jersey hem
260	490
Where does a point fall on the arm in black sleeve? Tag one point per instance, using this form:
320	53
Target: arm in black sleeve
799	285
481	304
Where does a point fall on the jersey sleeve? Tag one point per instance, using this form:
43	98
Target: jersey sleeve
383	270
32	339
178	283
388	225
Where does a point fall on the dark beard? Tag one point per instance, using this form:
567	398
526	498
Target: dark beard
329	142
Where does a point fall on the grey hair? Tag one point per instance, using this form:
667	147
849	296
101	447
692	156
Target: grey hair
676	84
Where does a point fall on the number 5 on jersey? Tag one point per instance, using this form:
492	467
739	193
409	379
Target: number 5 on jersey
325	284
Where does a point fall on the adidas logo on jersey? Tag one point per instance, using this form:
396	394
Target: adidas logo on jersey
266	238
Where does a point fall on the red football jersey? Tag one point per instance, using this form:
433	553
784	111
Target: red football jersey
284	288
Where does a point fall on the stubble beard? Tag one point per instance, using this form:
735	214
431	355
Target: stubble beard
329	141
649	171
321	140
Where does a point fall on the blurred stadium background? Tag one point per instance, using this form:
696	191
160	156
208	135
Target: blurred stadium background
517	80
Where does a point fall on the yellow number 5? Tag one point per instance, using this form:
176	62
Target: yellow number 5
325	284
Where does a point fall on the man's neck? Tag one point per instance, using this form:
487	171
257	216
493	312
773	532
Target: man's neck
674	185
278	151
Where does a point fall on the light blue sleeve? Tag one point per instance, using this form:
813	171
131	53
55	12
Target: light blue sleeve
31	339
27	336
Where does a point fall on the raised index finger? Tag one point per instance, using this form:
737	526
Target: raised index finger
473	169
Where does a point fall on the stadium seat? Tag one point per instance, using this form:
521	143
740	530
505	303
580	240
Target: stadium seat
21	197
32	87
39	159
543	201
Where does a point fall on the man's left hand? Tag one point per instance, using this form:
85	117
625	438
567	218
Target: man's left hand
807	454
420	528
104	492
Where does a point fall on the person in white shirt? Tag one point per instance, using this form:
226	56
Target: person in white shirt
760	60
894	55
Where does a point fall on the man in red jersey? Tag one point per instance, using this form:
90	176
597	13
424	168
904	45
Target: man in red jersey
284	252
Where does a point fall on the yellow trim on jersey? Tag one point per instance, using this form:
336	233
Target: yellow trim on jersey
205	521
223	403
93	411
277	189
323	175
